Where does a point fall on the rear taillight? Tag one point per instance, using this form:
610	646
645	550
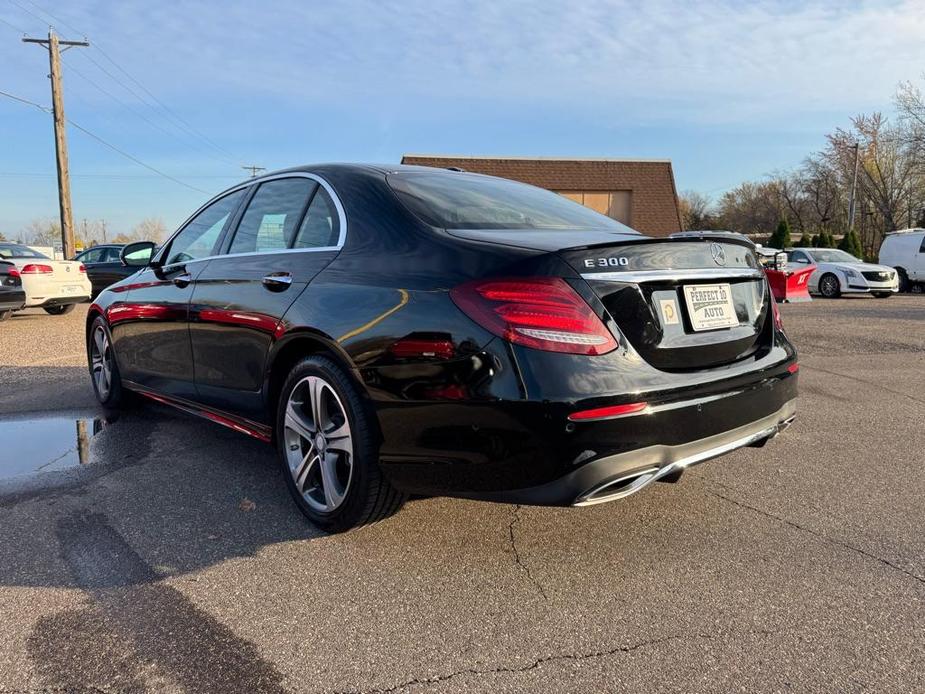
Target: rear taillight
37	269
778	322
82	268
13	272
540	312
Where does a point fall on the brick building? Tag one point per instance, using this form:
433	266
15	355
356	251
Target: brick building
639	193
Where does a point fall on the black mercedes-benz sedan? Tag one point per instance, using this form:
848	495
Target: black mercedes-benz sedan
398	330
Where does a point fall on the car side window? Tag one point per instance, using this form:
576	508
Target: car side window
272	216
198	238
922	247
94	255
111	255
798	257
321	226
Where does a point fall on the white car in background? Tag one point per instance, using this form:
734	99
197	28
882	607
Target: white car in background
905	252
53	285
838	272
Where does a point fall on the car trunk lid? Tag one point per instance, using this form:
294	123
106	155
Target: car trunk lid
682	303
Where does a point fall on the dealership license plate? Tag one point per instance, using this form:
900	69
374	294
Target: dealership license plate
710	306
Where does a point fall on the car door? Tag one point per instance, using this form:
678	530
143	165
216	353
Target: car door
93	260
109	269
290	230
150	324
919	261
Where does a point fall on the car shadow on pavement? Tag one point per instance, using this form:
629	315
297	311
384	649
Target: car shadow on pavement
158	495
184	493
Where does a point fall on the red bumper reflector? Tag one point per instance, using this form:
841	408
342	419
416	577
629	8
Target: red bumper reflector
608	412
411	348
793	368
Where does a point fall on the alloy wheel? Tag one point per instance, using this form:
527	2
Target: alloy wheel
829	286
319	444
101	363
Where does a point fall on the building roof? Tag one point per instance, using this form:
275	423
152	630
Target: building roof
654	197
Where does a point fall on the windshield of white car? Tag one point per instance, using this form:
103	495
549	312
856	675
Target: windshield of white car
833	255
14	250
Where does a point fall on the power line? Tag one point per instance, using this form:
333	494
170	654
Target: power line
126	105
29	12
182	123
39	174
107	144
179	122
186	142
46	12
13	26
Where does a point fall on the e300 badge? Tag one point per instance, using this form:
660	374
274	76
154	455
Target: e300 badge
621	261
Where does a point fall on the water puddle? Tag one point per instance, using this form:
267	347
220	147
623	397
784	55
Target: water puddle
33	446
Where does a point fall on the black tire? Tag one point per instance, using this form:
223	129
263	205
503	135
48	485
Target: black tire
59	310
368	497
829	286
904	284
116	397
882	295
5	315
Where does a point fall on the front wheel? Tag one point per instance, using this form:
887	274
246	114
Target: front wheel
904	284
59	310
328	449
882	295
829	286
104	372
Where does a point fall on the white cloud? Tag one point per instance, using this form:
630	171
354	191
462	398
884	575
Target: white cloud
658	59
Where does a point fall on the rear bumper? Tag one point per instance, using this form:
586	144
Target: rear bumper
12	301
621	475
58	301
529	452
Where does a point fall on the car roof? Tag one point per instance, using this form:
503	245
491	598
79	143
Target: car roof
358	167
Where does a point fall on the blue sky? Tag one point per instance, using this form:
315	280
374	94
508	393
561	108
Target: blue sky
728	91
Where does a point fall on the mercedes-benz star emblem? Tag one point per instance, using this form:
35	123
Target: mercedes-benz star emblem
719	255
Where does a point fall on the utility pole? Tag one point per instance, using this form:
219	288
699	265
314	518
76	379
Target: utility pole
854	187
53	43
254	170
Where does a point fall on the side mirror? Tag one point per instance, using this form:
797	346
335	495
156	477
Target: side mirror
137	254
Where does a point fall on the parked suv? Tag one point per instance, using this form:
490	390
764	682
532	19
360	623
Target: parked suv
905	251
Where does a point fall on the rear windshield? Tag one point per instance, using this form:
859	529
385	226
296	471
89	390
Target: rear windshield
14	250
469	201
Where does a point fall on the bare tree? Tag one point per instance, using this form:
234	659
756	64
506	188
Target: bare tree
751	208
42	232
890	174
696	211
150	229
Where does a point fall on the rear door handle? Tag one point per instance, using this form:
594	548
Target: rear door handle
183	280
277	281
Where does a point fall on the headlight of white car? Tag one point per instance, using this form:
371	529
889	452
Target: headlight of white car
851	273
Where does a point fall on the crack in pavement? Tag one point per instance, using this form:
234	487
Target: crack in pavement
526	569
533	665
861	380
814	533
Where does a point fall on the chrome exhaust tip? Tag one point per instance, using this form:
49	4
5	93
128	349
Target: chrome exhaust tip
618	488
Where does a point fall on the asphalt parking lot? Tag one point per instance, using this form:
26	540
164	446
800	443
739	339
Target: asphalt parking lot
173	560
